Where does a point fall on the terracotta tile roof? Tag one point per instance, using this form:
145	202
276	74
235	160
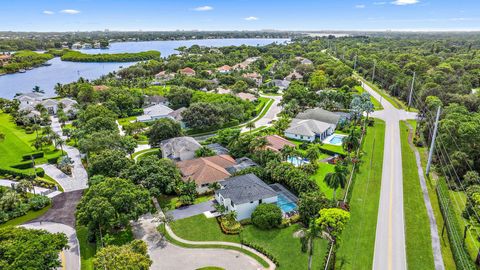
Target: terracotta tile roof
225	68
187	70
207	169
276	143
100	87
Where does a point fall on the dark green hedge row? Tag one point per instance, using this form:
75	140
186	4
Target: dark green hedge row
261	250
22	173
23	165
28	156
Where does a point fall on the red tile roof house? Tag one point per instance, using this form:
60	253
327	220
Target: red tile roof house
277	143
187	71
224	69
206	170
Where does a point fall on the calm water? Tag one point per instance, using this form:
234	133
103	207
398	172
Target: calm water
66	72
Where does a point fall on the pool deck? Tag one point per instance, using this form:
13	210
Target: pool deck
281	189
329	138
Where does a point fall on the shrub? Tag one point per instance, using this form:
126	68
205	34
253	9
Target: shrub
18	173
267	216
229	225
29	156
53	160
38	202
261	250
23	165
40	172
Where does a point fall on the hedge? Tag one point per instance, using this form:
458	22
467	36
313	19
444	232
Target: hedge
53	160
23	165
261	250
17	172
29	156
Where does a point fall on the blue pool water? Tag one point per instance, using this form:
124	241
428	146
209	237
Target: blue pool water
285	204
336	139
297	161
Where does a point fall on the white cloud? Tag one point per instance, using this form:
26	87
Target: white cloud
70	11
404	2
251	18
48	12
379	3
203	8
360	6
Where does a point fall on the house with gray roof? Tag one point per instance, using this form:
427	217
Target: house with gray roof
241	164
308	130
281	84
154	112
218	149
179	148
320	114
243	194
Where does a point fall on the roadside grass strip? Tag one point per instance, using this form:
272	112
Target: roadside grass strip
417	226
357	243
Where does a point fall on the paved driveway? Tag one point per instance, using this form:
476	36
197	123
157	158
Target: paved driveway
166	256
192	210
63	209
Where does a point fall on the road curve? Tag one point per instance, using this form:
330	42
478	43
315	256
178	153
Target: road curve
390	251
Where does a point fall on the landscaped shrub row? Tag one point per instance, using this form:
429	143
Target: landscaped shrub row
35	155
20	205
229	226
53	160
23	165
460	255
17	172
261	250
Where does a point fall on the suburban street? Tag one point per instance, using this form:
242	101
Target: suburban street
272	113
390	232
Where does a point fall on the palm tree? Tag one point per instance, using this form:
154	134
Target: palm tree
258	143
311	233
336	179
287	151
36	128
58	141
36	89
250	125
352	141
313	152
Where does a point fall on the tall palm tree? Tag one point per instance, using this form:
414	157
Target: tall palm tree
311	233
36	89
258	143
336	179
58	141
287	151
352	141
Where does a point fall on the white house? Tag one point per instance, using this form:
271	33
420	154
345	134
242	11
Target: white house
243	194
179	148
154	112
308	130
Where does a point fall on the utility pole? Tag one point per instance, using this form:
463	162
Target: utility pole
373	74
432	145
411	92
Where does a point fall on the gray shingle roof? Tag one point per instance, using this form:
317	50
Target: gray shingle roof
319	114
242	163
218	149
245	188
307	127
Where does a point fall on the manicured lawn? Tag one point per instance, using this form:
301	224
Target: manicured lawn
375	102
18	143
87	249
168	202
417	225
25	218
329	148
126	120
151	151
279	242
358	239
319	176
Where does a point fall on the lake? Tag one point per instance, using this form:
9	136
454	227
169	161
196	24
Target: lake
65	72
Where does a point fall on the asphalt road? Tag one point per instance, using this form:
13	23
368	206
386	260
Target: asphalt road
390	232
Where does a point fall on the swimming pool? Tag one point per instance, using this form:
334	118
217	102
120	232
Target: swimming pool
334	139
297	161
285	204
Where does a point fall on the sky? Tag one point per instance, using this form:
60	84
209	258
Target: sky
165	15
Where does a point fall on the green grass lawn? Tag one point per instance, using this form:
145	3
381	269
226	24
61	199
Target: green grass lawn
375	102
319	176
126	120
25	218
417	225
87	249
168	202
397	103
18	143
145	152
279	242
358	239
447	255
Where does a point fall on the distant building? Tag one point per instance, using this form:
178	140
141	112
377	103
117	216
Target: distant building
164	76
224	69
154	100
281	84
257	78
320	114
294	76
304	61
187	71
246	96
29	101
100	87
218	149
277	143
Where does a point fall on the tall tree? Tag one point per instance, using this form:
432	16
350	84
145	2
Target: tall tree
127	257
336	179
